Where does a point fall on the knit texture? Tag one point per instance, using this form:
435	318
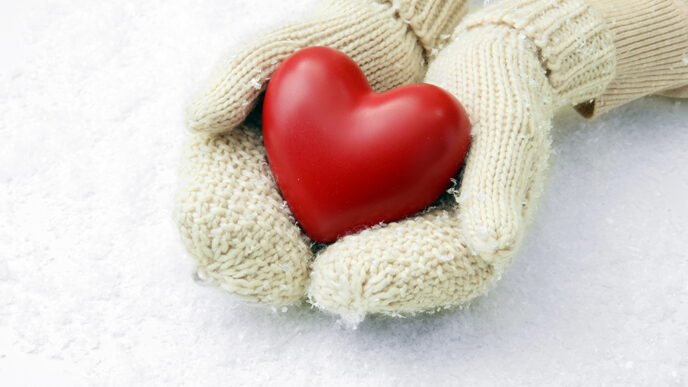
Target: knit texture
387	40
234	222
230	214
651	39
432	20
510	145
512	66
418	264
572	42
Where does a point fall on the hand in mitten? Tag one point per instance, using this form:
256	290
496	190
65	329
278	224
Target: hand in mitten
230	213
513	66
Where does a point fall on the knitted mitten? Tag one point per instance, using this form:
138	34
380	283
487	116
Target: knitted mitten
389	40
512	66
231	216
651	39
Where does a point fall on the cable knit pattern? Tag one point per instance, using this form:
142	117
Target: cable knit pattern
372	33
230	214
511	85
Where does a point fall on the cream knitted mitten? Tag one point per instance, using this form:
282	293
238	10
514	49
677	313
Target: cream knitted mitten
389	40
512	66
230	214
651	39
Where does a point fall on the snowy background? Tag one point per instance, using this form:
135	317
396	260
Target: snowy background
95	287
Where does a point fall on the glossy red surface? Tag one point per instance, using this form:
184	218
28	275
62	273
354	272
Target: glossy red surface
345	157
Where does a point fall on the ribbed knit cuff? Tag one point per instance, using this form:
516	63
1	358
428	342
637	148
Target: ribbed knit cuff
575	46
431	20
651	38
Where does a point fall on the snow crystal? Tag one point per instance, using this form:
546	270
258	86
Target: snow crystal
447	257
255	82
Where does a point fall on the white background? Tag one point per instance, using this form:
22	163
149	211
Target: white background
95	287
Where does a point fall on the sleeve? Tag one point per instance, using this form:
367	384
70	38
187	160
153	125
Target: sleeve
651	40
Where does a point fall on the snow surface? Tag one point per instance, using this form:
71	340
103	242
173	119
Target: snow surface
95	287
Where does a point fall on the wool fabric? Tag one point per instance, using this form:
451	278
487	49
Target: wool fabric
512	65
651	39
230	214
389	40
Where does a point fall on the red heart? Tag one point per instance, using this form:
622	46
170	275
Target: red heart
346	157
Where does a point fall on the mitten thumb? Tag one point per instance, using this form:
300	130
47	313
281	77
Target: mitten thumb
512	66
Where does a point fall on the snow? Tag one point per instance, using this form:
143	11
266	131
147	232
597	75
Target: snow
95	288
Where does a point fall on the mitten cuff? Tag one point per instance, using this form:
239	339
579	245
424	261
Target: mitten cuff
431	20
651	38
575	47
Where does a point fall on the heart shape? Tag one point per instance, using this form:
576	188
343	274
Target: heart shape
346	157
